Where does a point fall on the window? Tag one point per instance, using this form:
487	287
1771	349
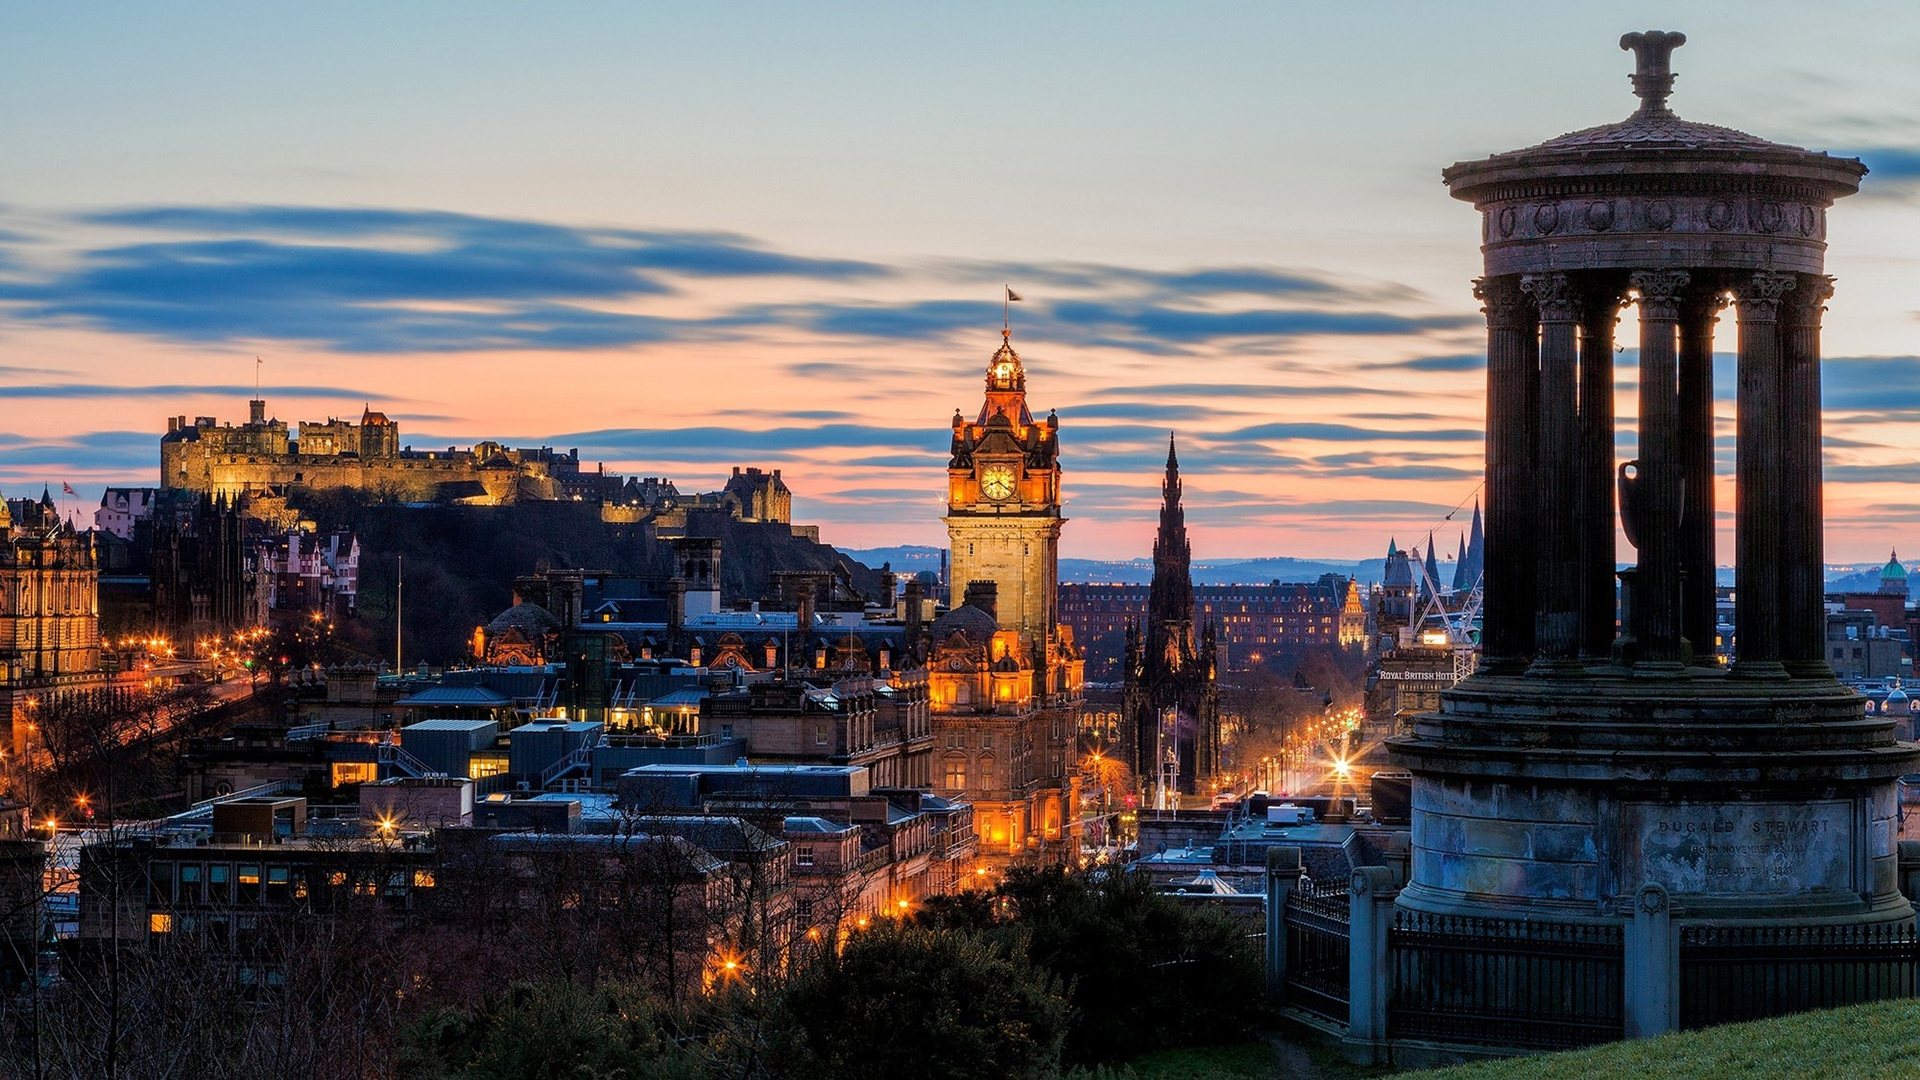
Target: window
956	774
820	735
423	879
803	855
219	884
249	883
160	922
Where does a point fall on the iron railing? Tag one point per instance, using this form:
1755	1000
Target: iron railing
1317	942
1731	973
1541	985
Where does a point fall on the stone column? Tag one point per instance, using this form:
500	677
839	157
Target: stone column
1757	471
1599	311
1369	968
1803	618
1556	452
1507	641
1699	615
1652	962
1655	513
1283	877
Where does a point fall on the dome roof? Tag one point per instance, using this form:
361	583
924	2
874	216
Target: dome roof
1653	141
531	619
1893	571
968	621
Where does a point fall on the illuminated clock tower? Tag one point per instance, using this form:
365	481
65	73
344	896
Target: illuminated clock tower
1003	505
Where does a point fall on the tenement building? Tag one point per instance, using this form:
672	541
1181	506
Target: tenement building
49	613
1718	837
1004	675
1170	706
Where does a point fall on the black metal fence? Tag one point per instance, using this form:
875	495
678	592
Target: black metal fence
1522	983
1317	942
1730	973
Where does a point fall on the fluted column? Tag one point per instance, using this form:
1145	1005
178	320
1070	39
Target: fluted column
1757	506
1556	448
1657	508
1507	641
1802	554
1599	311
1699	617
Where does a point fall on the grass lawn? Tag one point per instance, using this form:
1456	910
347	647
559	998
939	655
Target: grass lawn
1277	1058
1864	1042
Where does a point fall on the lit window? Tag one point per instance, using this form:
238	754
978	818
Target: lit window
423	879
160	922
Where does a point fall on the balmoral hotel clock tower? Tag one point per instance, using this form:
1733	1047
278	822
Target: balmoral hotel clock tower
1003	505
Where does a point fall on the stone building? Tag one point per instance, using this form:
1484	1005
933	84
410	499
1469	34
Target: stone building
1609	777
49	612
1170	712
1004	674
1251	621
264	455
206	565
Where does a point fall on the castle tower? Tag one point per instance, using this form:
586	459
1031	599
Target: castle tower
1003	502
1171	705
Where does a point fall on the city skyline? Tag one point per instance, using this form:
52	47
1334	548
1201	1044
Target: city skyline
567	246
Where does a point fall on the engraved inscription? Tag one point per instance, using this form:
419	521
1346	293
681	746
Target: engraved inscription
1740	848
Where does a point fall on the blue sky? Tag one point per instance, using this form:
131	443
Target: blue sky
687	237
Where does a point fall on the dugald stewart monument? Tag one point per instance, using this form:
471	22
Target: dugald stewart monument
1715	825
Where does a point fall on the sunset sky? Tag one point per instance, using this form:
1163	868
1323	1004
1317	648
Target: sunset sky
685	237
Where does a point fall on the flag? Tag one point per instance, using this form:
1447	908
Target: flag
68	488
1013	297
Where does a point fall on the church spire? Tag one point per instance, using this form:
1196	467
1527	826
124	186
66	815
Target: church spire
1171	512
1170	599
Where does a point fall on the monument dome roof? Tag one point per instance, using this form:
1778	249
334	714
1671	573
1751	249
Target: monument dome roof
530	618
1653	139
968	621
1893	571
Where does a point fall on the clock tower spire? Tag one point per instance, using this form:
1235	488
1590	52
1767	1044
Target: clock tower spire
1003	503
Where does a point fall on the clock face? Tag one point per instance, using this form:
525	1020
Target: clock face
997	482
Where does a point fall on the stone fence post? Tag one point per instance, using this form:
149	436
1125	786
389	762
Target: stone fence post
1909	863
1283	876
1652	966
1369	976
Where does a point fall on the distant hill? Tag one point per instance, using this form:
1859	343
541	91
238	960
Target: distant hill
461	561
913	558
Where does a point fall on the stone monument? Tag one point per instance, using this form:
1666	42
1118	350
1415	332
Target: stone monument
1588	761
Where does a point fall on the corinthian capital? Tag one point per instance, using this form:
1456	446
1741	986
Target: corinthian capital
1659	291
1559	301
1808	300
1501	300
1759	296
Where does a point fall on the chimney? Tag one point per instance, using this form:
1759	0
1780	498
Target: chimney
913	605
803	607
984	595
676	614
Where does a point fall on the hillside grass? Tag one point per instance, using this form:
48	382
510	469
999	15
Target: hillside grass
1862	1042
